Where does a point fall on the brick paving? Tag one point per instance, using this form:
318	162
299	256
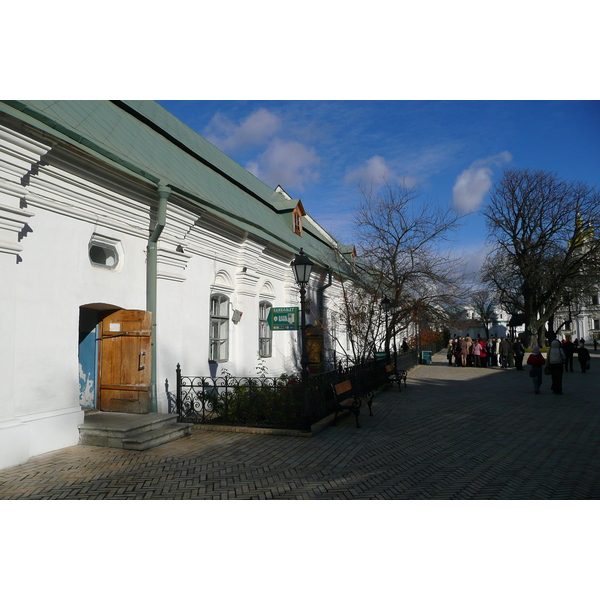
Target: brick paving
454	433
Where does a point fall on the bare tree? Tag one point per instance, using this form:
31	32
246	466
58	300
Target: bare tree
400	240
358	312
543	231
353	321
483	303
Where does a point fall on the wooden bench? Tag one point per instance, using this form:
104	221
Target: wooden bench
396	376
345	399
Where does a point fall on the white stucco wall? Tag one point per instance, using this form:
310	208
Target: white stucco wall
209	263
46	278
48	214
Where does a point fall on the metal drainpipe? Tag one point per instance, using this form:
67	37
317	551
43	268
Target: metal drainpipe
320	300
151	283
320	290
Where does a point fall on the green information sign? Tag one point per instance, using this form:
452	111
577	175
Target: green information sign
283	319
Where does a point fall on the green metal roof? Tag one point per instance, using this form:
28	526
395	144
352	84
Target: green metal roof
144	138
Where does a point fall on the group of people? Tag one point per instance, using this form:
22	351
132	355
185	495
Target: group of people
493	352
577	347
558	360
507	353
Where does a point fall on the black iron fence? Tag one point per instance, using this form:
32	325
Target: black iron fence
228	400
274	402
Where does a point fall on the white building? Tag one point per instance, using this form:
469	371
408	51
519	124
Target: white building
501	324
583	321
129	244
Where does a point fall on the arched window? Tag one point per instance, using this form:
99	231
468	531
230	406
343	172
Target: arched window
219	328
265	346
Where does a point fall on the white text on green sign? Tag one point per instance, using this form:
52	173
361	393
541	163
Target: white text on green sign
283	318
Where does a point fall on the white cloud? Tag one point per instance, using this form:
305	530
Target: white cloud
255	130
287	163
375	173
475	182
254	168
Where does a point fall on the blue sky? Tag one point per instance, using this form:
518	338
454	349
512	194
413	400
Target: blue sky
454	151
345	86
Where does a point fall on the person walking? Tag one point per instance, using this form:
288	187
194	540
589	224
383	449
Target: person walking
469	356
583	355
476	351
484	356
536	361
595	344
504	349
497	351
464	351
556	359
519	351
569	347
491	353
511	354
450	352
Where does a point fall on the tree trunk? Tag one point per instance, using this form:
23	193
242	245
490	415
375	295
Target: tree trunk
541	337
551	331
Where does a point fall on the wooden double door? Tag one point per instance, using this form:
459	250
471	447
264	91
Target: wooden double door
124	361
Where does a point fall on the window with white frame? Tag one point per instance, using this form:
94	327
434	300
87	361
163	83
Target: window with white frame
219	328
104	252
265	339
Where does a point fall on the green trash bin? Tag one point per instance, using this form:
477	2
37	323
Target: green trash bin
426	357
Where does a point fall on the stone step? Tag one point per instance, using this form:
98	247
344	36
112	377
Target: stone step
156	437
133	431
121	425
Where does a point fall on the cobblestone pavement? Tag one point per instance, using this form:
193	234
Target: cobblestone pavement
454	433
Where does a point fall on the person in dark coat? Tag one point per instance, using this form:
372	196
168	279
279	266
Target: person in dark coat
450	352
569	348
504	352
511	353
519	352
583	354
556	358
491	353
457	359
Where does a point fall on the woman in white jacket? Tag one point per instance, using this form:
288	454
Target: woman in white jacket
556	361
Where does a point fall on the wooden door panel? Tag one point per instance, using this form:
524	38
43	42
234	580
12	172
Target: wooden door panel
126	360
125	346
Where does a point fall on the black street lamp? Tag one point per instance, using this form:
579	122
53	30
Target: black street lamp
386	304
302	266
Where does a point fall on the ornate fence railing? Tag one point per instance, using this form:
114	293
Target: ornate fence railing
250	401
274	402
